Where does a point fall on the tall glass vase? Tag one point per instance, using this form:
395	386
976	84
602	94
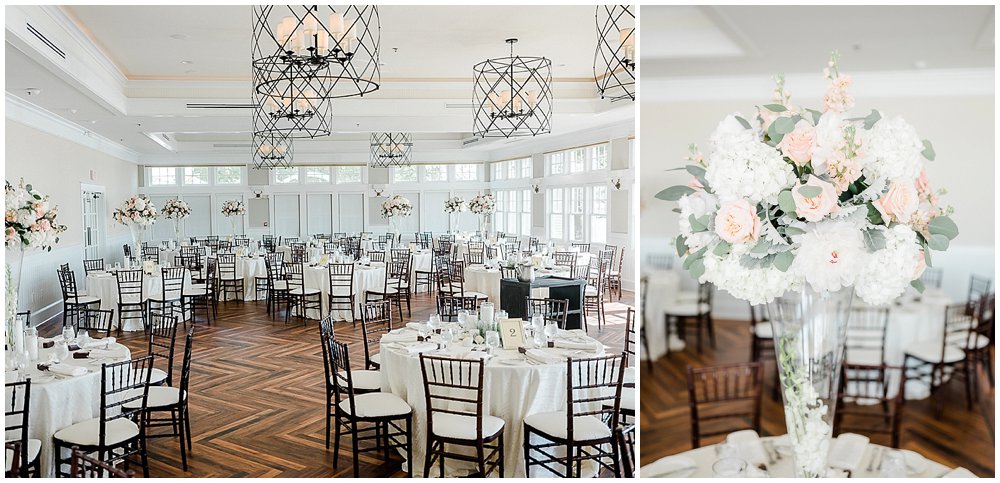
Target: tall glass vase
12	284
232	220
810	329
178	230
138	235
452	222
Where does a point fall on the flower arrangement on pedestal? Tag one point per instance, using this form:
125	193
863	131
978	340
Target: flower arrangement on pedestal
453	206
138	213
29	224
394	208
484	206
176	210
805	208
231	209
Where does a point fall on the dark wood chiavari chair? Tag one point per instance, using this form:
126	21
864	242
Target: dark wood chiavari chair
475	258
198	297
341	296
625	441
660	261
364	380
400	255
870	399
74	300
131	300
340	235
13	452
96	320
932	360
698	312
451	299
93	265
980	351
376	320
615	273
866	329
24	462
567	260
584	428
160	346
425	240
476	247
277	284
83	466
551	310
300	254
24	318
584	247
170	300
229	281
593	294
456	416
724	394
151	254
493	253
533	244
330	248
380	411
376	256
932	277
120	432
127	251
241	241
299	296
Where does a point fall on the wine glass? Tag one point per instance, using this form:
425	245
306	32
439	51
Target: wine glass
62	352
68	334
434	322
492	341
424	330
729	468
447	336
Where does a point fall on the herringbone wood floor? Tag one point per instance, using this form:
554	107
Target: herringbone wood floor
258	399
958	438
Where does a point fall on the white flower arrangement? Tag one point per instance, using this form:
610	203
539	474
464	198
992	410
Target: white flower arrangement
454	205
136	210
30	222
176	209
483	204
233	208
396	206
797	196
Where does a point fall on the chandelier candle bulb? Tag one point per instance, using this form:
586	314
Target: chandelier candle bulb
310	23
322	42
336	23
532	99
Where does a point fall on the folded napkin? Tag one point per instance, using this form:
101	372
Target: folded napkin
106	354
749	445
99	343
67	370
414	349
569	344
959	473
676	466
416	325
539	355
847	451
399	337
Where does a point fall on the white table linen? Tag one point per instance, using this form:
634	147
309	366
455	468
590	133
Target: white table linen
511	392
104	285
248	269
365	278
661	294
59	402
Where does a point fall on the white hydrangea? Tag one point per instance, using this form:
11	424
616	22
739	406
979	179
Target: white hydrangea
892	150
741	166
699	203
755	285
830	255
890	270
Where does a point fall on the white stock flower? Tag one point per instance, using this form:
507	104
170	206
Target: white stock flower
830	255
892	150
890	270
829	138
747	168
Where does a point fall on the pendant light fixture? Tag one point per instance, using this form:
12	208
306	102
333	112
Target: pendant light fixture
614	59
391	149
271	151
513	96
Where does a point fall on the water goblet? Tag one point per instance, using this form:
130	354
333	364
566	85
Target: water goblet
68	334
492	341
551	329
447	336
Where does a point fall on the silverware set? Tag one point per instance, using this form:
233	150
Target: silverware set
877	455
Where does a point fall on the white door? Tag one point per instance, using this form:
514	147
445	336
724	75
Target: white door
93	234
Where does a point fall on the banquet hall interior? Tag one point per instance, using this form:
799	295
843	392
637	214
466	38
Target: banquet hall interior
320	241
933	66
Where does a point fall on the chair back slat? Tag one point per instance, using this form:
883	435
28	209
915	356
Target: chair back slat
376	320
163	341
17	411
123	383
594	388
728	392
453	386
95	320
551	310
866	329
566	260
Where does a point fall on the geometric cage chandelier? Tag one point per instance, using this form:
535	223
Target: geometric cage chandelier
614	59
390	149
272	150
512	96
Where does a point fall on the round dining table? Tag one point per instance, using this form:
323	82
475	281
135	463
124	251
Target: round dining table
514	387
104	285
59	401
486	281
366	277
775	455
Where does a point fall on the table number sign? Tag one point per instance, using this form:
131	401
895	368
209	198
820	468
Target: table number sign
512	333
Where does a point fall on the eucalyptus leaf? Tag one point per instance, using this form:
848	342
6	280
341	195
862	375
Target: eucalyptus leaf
793	230
722	249
938	242
872	118
783	260
783	125
695	170
681	245
943	225
928	151
697	269
775	107
774	135
810	191
874	240
815	114
918	284
698	224
674	193
786	201
744	122
676	210
761	248
927	258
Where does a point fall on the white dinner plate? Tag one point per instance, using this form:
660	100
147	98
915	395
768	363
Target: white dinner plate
915	463
512	362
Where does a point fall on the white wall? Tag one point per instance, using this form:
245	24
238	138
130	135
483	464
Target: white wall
961	128
57	167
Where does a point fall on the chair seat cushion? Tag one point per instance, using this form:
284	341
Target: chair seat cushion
280	285
459	426
229	278
585	428
304	291
376	405
193	292
630	376
87	433
34	446
159	396
478	295
86	299
978	341
687	296
157	376
930	351
763	330
865	356
688	309
366	380
590	291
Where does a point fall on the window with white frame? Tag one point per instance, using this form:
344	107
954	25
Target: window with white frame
598	214
316	174
599	157
578	213
466	172
196	176
499	170
436	172
228	175
499	216
527	168
577	160
555	210
404	174
349	174
162	176
513	215
286	175
526	212
512	169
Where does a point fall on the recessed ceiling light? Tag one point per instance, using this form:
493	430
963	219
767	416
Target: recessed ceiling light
72	111
920	64
178	36
93	122
186	62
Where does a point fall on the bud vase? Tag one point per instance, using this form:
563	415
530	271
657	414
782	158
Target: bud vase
15	261
138	235
810	329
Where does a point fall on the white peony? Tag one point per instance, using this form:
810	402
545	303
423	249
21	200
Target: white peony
140	204
730	130
747	168
830	255
892	150
26	217
829	139
890	270
755	285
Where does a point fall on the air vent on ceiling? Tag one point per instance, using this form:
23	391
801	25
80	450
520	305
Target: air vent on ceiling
45	40
473	140
197	105
232	145
165	137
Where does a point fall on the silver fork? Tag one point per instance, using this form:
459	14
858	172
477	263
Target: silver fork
871	462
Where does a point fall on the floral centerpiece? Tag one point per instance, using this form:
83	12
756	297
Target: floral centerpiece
802	209
138	213
454	206
231	209
176	210
484	206
29	224
394	208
